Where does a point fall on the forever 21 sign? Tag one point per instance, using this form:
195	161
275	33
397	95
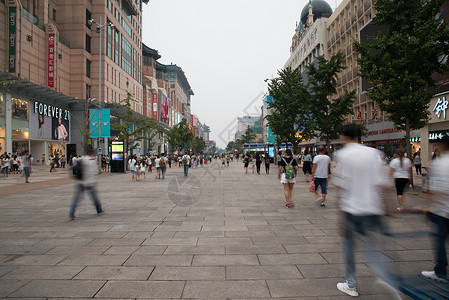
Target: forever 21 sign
50	111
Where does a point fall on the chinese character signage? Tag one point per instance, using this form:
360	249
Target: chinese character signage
12	40
441	108
105	123
51	60
155	106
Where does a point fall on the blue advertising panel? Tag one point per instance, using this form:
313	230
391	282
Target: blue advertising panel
105	123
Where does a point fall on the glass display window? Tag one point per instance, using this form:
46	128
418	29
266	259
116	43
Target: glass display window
19	109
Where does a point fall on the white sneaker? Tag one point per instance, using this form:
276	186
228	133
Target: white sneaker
433	276
343	287
318	201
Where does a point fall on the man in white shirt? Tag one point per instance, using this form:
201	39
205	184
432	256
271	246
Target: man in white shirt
186	162
359	175
439	211
320	172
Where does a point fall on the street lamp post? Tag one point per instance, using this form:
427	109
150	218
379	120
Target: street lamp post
99	27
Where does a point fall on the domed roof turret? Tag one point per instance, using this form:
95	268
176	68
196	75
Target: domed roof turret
320	9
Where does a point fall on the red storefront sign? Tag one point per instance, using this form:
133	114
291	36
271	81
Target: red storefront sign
155	106
51	60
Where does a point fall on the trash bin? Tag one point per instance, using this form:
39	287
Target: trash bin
425	186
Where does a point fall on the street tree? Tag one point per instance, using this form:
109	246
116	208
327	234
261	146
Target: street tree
399	61
132	128
290	110
248	136
327	114
197	144
179	137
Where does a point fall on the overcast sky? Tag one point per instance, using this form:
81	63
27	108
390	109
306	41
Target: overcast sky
227	48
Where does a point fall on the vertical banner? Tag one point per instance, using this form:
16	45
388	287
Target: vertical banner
93	123
51	60
105	123
155	106
12	39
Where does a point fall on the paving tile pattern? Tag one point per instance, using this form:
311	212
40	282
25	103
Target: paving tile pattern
217	234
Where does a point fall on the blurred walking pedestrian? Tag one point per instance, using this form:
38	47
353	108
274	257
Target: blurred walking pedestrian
417	163
185	162
401	168
439	212
246	163
286	173
87	169
359	176
267	163
26	162
163	165
132	167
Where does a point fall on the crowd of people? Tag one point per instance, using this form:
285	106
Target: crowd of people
17	164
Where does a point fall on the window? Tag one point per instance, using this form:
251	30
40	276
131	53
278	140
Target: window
109	5
88	90
172	76
88	18
139	68
172	86
126	56
54	14
109	40
116	14
116	47
134	64
88	64
147	61
88	43
126	27
166	77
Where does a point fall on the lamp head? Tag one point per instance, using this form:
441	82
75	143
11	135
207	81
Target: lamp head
112	26
91	21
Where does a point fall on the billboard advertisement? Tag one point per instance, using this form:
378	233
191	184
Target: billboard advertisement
165	110
49	122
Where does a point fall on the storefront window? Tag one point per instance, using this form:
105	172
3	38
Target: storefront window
19	109
19	124
18	147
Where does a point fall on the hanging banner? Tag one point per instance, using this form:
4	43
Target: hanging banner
51	60
12	39
105	123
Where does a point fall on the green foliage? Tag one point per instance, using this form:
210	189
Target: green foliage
179	137
248	136
197	144
307	108
400	63
133	128
290	106
328	115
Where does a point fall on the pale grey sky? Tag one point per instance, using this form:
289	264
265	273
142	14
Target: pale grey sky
227	48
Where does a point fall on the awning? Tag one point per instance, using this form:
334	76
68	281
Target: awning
23	87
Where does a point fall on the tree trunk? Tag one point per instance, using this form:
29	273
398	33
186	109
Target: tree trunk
407	145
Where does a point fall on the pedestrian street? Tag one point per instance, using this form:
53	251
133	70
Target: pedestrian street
216	234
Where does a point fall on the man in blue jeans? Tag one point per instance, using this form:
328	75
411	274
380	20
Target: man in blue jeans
439	212
359	177
186	162
320	171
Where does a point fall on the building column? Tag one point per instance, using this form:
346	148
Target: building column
8	123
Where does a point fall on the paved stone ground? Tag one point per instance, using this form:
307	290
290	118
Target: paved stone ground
217	234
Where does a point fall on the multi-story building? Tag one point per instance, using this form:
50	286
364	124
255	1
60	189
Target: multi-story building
351	21
167	93
309	40
51	54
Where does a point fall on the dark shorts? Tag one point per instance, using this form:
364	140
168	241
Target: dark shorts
323	183
400	184
246	165
26	170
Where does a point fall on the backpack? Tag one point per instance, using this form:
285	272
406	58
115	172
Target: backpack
162	162
78	171
184	160
289	170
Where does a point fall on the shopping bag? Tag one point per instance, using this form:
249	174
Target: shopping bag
312	187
